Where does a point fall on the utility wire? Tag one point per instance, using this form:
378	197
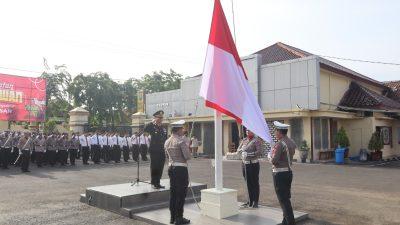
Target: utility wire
360	60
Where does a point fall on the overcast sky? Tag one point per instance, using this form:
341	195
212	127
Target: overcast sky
134	37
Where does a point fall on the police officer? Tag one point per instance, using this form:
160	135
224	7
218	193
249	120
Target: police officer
63	149
177	149
156	149
95	147
25	147
73	146
281	158
250	148
135	146
84	140
5	151
51	152
40	148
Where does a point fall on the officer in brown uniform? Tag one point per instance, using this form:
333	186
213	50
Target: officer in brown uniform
73	147
40	148
281	159
25	147
5	151
177	149
51	145
250	149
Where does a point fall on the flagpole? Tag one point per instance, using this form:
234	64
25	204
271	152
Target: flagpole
218	150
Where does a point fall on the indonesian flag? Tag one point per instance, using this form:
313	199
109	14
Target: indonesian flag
224	83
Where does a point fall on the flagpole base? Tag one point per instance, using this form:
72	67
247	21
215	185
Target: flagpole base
219	204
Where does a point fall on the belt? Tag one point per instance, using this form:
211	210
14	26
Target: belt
278	170
250	161
178	164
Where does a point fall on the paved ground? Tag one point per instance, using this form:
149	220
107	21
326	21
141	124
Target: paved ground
331	194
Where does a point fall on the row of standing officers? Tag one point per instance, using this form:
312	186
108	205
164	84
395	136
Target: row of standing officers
20	148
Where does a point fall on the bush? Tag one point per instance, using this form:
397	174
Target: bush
304	146
341	140
50	126
376	142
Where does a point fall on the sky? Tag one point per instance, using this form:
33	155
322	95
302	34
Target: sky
136	37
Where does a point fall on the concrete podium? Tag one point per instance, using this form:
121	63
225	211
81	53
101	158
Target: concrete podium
126	200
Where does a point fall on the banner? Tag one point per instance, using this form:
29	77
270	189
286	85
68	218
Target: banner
22	98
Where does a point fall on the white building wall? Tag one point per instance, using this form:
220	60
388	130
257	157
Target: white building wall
285	85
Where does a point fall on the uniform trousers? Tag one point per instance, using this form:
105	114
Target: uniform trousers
117	153
135	152
25	158
5	156
251	175
52	154
63	157
85	154
96	153
179	181
72	155
39	158
143	152
107	153
157	161
283	184
125	150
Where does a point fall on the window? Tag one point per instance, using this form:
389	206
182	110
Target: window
321	133
296	130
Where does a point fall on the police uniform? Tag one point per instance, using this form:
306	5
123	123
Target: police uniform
84	141
107	146
135	146
73	146
156	149
143	146
281	159
177	149
63	149
40	148
51	144
95	142
25	147
250	148
6	145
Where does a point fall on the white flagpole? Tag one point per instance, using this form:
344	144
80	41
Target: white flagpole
218	150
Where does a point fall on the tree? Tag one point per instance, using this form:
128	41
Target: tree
341	140
57	99
159	81
376	142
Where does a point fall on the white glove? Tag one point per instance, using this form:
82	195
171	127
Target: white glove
269	155
244	155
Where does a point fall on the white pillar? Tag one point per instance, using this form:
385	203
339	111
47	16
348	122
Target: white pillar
218	202
218	150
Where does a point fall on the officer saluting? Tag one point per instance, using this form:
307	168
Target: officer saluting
281	159
156	149
177	149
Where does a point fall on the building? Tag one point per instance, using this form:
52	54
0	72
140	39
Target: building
312	94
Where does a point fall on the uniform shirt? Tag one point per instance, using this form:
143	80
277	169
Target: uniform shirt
74	143
25	143
279	157
135	140
252	147
7	141
84	141
129	140
158	137
95	139
143	140
16	138
40	144
116	140
62	144
106	140
51	143
121	141
177	149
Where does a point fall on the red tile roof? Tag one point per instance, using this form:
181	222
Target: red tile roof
279	52
395	89
360	97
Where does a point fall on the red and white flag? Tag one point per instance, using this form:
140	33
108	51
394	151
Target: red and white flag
224	83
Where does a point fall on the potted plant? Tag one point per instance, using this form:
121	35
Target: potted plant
342	143
376	145
304	151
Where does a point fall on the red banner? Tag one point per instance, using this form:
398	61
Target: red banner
22	98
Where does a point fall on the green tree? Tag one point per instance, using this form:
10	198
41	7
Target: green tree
159	81
376	142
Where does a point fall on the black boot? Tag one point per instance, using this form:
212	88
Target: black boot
255	205
181	220
172	220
